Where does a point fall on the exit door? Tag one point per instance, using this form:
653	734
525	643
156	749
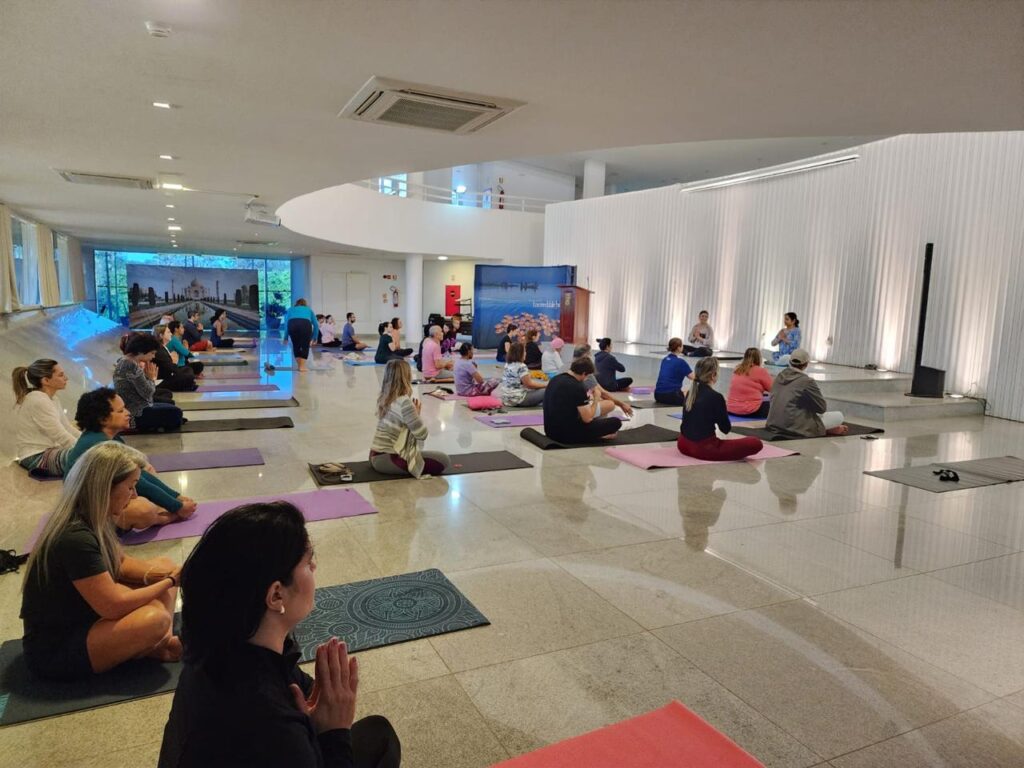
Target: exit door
452	294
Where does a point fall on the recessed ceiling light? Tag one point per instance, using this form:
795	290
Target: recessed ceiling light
172	185
442	258
161	105
169	205
171	218
174	245
174	228
168	157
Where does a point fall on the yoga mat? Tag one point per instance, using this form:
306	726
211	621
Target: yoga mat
24	697
214	362
650	404
237	388
230	425
648	433
462	464
976	473
669	456
445	396
641	390
232	457
514	419
228	405
775	437
670	736
733	418
362	362
231	376
393	609
314	505
293	368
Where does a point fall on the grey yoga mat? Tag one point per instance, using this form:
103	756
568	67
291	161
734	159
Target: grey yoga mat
230	425
648	433
976	473
207	362
231	457
775	437
462	464
225	404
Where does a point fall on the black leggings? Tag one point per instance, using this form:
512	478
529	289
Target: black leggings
375	743
301	334
159	417
620	384
671	397
761	413
592	432
691	351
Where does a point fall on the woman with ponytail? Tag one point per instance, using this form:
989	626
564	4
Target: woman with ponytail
43	433
703	411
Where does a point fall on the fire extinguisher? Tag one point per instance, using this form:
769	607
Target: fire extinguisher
394	296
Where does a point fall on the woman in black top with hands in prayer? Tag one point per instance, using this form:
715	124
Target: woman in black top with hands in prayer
242	699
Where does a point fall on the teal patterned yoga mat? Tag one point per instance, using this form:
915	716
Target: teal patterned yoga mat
393	609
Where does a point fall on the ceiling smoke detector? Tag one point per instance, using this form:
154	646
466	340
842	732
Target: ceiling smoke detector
105	179
414	105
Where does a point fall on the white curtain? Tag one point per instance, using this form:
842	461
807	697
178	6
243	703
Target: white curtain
49	288
28	282
8	283
76	268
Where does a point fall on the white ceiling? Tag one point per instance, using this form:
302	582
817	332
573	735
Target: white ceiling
259	84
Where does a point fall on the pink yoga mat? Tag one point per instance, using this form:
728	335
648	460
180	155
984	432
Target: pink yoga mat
514	419
671	736
237	388
649	457
178	462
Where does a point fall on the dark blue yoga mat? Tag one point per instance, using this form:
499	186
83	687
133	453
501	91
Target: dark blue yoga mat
393	609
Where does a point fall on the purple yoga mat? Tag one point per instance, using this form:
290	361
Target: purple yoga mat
237	388
177	462
230	376
514	419
641	390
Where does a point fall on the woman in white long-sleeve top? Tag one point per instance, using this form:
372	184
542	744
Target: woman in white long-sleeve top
44	436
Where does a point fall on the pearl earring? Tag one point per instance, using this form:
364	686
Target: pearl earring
281	609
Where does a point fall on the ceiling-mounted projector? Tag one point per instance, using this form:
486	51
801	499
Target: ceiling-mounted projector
257	214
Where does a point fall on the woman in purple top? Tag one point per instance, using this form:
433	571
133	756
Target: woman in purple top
468	379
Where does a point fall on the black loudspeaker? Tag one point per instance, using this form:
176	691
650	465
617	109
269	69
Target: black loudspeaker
927	382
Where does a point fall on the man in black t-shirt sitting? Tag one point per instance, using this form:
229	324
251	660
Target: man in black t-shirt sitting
570	415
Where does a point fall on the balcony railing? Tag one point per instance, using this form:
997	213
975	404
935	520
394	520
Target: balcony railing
467	199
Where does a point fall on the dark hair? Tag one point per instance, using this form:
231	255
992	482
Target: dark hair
142	344
349	315
173	326
603	344
675	344
224	581
23	376
511	327
532	334
381	328
93	407
194	313
217	313
300	303
582	366
395	322
465	348
703	312
516	353
792	316
319	317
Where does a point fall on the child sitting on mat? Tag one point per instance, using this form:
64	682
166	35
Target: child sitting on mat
397	447
469	382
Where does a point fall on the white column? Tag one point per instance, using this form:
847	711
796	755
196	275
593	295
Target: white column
415	182
414	318
593	178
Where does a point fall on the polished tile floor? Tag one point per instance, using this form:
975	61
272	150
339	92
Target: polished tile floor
816	615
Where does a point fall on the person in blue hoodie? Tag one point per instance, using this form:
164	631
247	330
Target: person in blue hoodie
302	328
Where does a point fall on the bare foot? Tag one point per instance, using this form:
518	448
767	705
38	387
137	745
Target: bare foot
169	650
842	429
188	508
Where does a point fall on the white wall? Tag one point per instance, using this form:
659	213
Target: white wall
842	247
438	274
524	180
380	298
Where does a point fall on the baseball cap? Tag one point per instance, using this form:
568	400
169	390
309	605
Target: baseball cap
799	357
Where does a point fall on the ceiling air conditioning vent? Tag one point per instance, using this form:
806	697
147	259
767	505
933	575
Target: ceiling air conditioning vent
106	180
423	106
256	242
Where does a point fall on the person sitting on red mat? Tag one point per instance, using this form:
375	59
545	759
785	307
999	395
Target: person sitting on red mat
703	411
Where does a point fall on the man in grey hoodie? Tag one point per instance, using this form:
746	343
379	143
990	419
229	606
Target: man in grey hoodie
798	407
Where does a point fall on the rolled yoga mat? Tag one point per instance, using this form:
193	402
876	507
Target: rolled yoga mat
232	457
670	736
231	425
462	464
976	473
648	433
393	609
775	437
204	388
651	457
225	404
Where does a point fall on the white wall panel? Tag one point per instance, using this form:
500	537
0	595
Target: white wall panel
843	247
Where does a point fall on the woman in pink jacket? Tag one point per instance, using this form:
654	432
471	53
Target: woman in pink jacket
749	384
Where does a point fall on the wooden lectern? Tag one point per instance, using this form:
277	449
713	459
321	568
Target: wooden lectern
574	326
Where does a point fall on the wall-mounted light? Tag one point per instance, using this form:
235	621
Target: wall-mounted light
728	181
461	189
173	228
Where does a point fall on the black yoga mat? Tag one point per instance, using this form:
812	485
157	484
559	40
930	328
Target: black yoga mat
24	697
648	433
227	404
650	404
230	425
775	437
393	609
462	464
976	473
207	362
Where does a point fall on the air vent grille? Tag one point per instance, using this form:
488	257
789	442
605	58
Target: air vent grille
424	114
106	179
256	242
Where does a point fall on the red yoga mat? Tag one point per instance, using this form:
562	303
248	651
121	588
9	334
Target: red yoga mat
670	737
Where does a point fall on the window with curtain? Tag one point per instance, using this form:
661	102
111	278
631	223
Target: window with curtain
62	257
26	262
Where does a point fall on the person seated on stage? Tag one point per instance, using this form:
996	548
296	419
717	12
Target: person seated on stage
673	375
511	332
101	415
787	340
43	435
518	388
193	332
750	382
703	410
349	342
390	345
397	447
135	377
701	341
590	382
435	366
329	333
551	361
534	356
220	326
469	382
242	699
798	407
606	366
571	415
176	346
173	377
88	607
